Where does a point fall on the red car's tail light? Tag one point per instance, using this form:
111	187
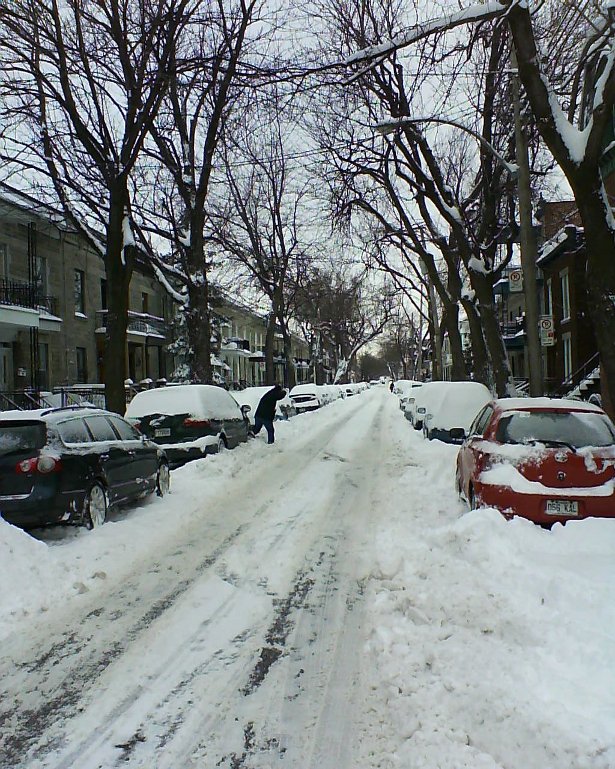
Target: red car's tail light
43	464
190	422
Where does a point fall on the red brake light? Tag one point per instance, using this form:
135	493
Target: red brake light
43	464
26	465
191	422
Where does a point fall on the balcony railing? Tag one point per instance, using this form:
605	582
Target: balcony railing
138	323
512	329
17	294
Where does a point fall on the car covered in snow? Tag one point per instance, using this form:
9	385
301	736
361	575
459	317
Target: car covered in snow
424	399
544	459
250	396
72	464
189	421
306	397
405	389
453	409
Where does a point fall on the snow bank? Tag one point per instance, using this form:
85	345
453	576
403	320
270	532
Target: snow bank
489	642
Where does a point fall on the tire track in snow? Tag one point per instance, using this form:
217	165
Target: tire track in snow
55	678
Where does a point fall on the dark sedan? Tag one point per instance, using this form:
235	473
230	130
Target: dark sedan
73	464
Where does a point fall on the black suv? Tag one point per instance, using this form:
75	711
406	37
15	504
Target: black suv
72	464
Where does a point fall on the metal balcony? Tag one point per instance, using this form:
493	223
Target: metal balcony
138	323
16	294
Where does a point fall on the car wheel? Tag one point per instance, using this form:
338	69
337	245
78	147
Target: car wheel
163	480
221	444
95	506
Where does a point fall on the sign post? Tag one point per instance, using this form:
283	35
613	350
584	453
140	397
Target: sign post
547	331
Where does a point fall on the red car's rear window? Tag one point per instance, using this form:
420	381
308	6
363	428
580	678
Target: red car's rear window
575	428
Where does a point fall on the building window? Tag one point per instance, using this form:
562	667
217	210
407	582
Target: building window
549	298
82	364
565	294
145	302
80	292
567	344
43	366
40	274
103	294
4	261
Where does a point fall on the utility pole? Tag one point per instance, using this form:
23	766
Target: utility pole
529	250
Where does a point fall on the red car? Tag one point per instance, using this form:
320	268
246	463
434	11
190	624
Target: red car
540	458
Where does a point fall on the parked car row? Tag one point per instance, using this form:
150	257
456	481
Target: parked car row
72	464
309	397
546	459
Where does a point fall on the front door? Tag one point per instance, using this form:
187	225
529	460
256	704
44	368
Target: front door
6	369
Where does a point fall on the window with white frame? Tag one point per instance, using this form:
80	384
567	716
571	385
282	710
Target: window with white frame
563	276
79	292
549	298
567	344
4	261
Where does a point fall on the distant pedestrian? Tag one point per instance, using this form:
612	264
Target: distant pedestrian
392	385
265	411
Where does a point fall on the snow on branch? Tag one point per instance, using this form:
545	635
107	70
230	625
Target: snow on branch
478	12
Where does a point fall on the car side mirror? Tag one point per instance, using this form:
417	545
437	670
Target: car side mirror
245	408
457	433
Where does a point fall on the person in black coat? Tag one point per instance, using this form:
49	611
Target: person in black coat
265	411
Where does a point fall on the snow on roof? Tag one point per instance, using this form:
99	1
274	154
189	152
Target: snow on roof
523	404
550	247
205	401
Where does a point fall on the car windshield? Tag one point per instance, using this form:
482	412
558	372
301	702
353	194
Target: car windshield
21	436
575	429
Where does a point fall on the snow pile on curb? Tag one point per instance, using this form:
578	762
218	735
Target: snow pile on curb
491	643
32	575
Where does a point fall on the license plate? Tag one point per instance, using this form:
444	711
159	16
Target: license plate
562	507
163	432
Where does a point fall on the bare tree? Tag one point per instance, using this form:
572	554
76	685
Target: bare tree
573	114
439	196
342	312
261	224
200	104
84	82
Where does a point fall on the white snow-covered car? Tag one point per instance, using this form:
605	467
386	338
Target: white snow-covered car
251	396
452	410
306	397
404	389
189	421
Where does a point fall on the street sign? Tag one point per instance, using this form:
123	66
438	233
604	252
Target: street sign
547	331
515	281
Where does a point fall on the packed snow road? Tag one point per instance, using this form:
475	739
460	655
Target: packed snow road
321	603
239	636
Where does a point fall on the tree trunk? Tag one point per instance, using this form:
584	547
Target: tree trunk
269	341
198	317
600	245
118	266
480	359
451	321
492	333
290	375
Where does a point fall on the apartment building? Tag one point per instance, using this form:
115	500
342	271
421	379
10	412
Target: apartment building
53	304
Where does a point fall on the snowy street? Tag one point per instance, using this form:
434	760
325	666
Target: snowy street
322	603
